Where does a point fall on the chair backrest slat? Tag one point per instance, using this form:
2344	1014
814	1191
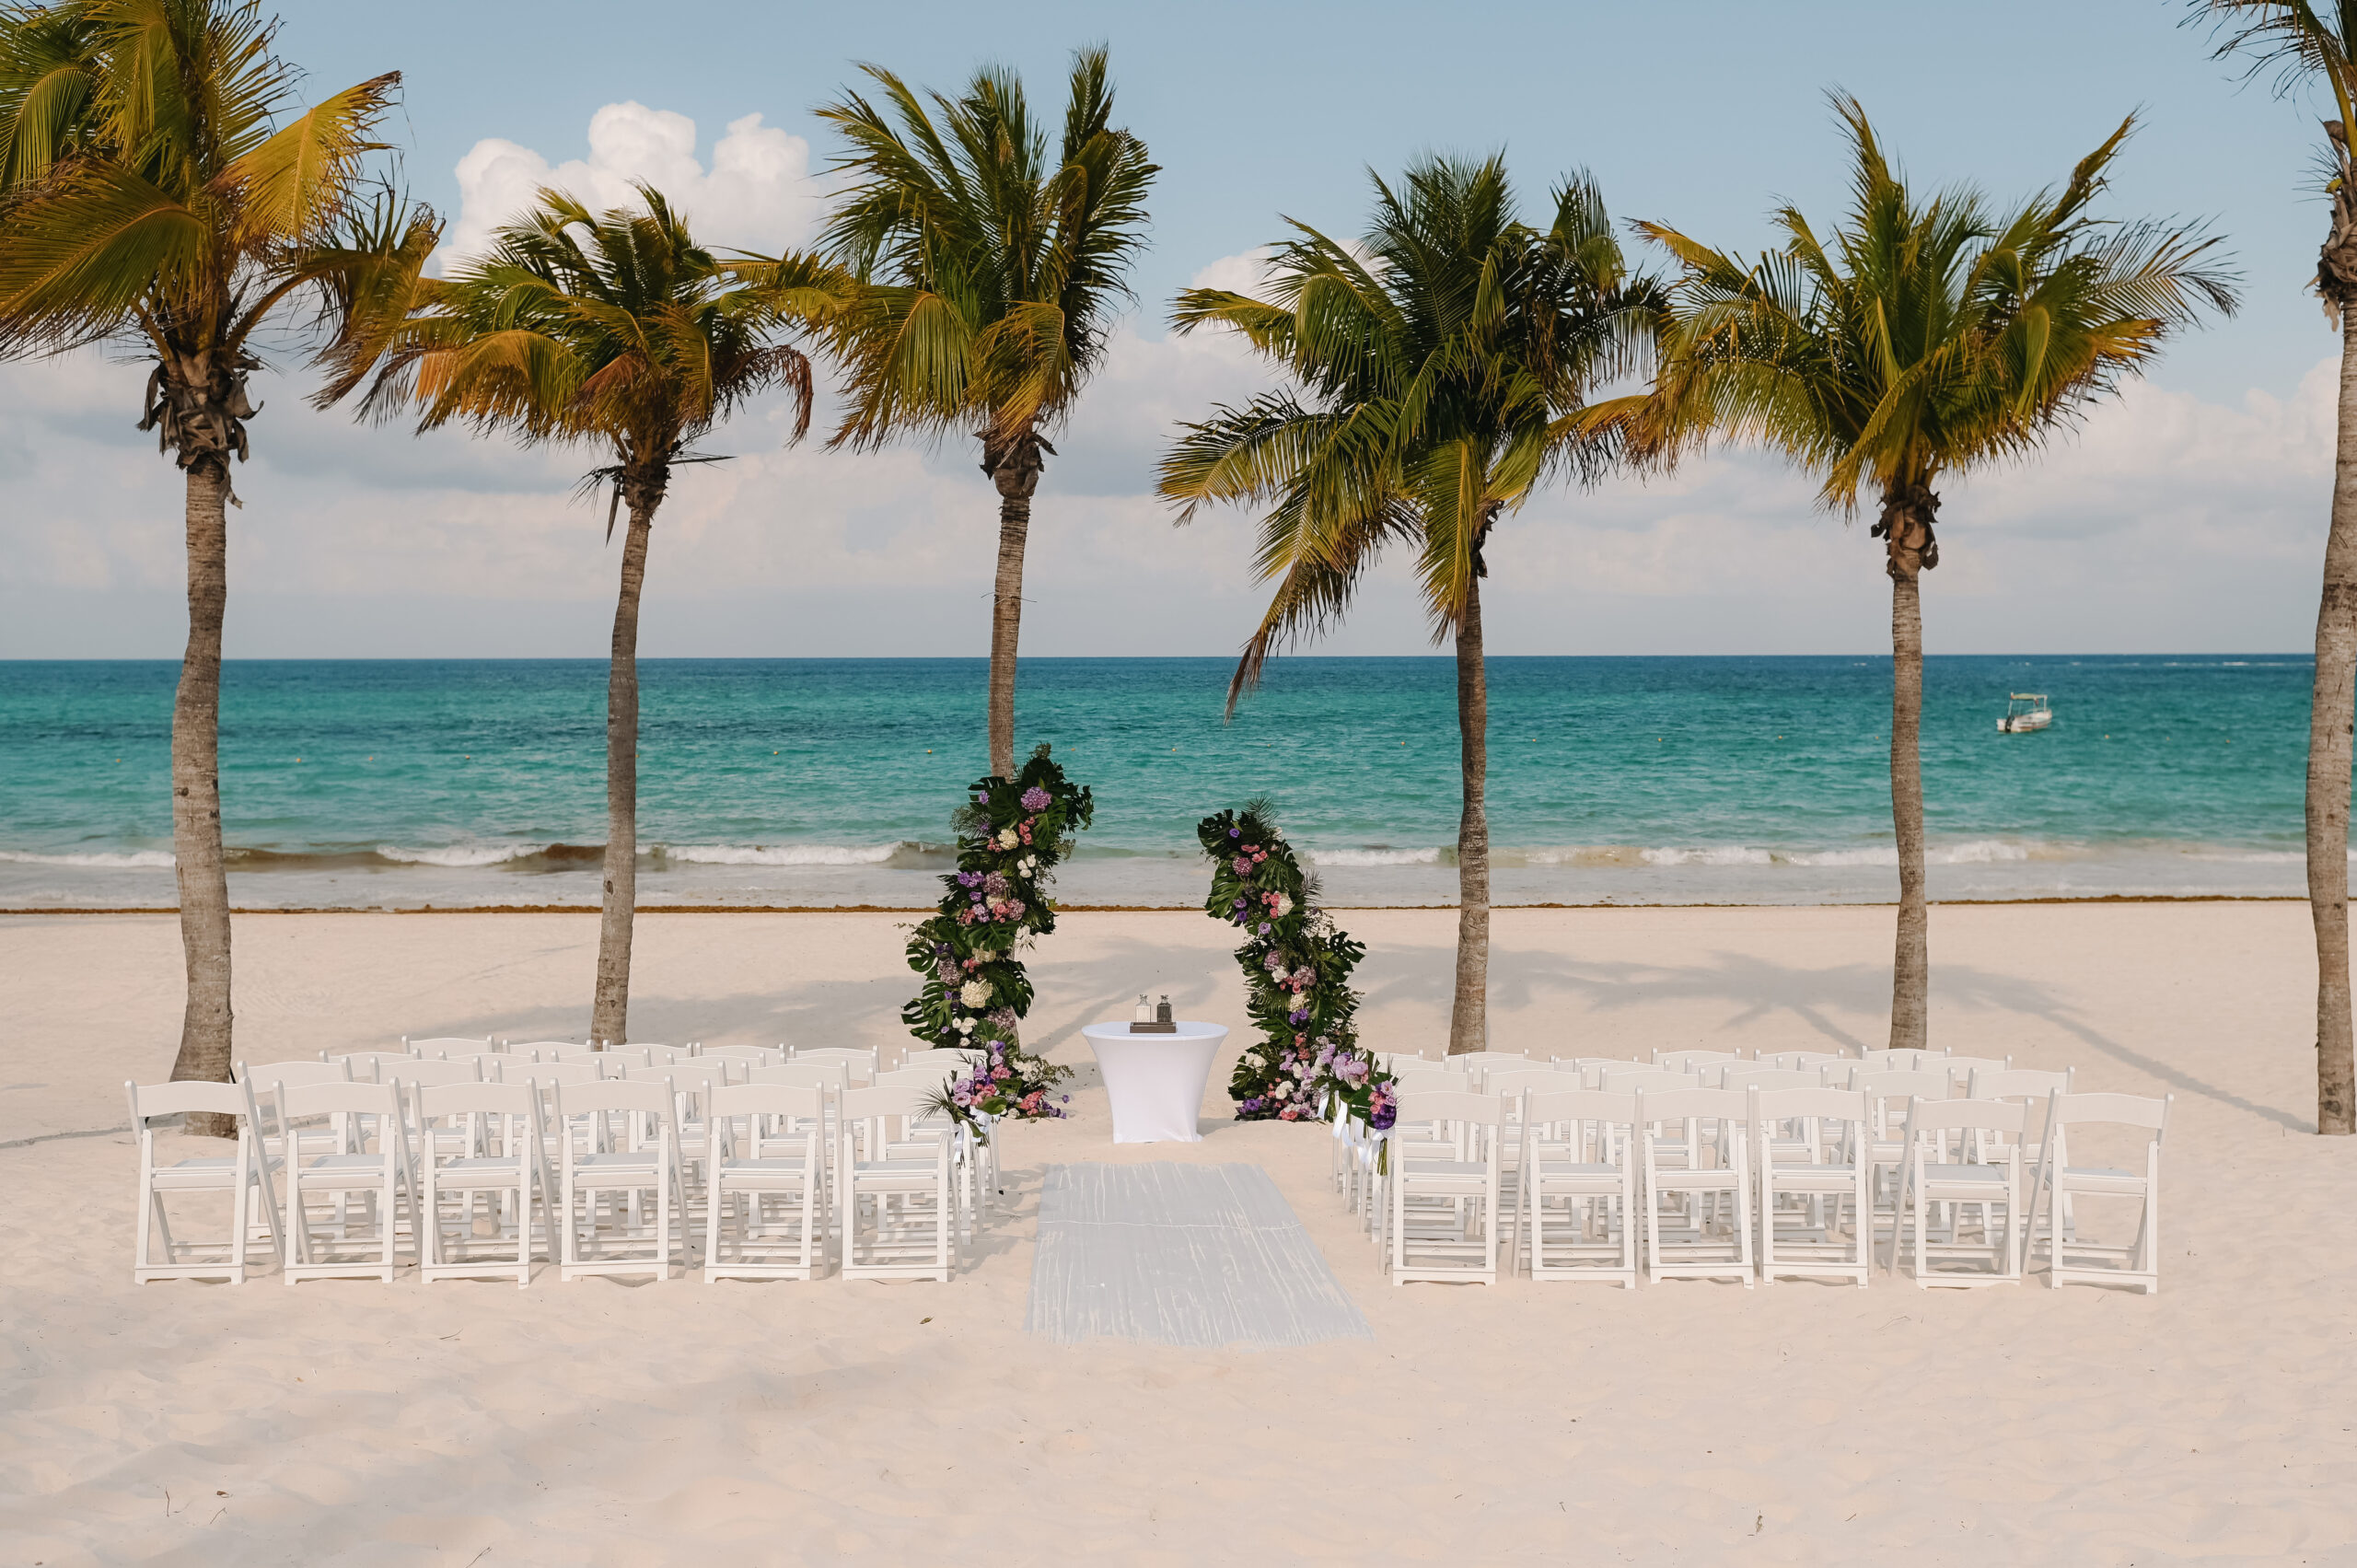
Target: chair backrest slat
1797	1104
1950	1115
828	1074
1417	1104
2126	1110
295	1100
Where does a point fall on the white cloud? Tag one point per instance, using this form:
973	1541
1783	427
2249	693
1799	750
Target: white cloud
757	195
2168	522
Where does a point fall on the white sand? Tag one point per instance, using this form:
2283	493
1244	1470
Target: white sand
599	1422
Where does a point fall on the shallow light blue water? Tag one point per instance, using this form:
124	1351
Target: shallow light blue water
825	780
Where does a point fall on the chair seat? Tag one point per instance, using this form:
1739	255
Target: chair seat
1815	1178
748	1172
2100	1180
475	1171
612	1167
1698	1181
894	1176
195	1175
1965	1176
343	1170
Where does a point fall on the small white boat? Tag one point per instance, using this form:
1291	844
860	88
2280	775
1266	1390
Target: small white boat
2024	711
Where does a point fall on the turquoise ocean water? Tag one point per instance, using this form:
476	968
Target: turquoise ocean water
400	783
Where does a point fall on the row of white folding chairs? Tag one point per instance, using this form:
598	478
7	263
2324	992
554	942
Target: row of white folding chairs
1601	1155
1889	1093
888	1189
833	1069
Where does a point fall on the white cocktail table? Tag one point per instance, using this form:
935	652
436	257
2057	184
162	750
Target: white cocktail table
1156	1082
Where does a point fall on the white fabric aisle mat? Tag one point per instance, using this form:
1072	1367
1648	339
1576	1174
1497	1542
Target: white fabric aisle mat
1165	1253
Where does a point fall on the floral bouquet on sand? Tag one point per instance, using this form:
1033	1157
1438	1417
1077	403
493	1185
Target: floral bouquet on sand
1011	835
1297	965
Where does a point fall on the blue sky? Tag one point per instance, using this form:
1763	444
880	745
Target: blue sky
2189	516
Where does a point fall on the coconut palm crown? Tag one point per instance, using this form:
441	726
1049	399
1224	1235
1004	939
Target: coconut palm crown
619	331
1439	374
1923	338
162	193
990	270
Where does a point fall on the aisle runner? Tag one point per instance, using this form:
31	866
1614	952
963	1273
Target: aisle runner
1181	1255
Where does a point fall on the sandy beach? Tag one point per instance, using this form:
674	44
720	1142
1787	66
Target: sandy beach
602	1423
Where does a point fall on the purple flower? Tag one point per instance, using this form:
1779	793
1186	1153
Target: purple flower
1034	799
1235	833
1264	928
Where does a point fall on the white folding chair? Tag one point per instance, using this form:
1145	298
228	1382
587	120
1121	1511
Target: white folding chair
1962	1068
2060	1183
324	1137
1687	1060
860	1059
542	1050
592	1167
1445	1220
454	1138
765	1202
1712	1233
443	1046
495	1130
1479	1063
1928	1175
366	1063
245	1175
752	1055
1890	1091
909	1197
1812	1059
323	1246
1805	1240
1579	1172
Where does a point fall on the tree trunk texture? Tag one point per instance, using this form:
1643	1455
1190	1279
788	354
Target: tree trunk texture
2330	714
609	1016
1907	509
1469	1013
1007	626
1014	460
196	798
1910	967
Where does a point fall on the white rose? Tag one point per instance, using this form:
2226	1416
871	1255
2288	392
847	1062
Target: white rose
1007	838
975	994
1284	1089
1284	905
964	1025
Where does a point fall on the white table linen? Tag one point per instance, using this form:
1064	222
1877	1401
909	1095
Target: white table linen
1156	1082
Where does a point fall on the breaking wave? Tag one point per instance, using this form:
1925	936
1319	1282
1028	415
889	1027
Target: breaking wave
126	860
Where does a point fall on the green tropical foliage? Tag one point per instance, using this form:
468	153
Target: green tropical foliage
162	191
989	267
1923	338
1439	374
615	329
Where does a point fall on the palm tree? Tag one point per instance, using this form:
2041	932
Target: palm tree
991	276
1440	371
158	193
617	329
2302	42
1927	339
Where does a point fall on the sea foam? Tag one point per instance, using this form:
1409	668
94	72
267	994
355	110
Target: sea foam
130	860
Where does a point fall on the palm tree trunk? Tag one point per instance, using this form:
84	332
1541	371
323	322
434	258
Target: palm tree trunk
1468	1014
1006	624
1911	970
609	1016
196	798
2330	714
